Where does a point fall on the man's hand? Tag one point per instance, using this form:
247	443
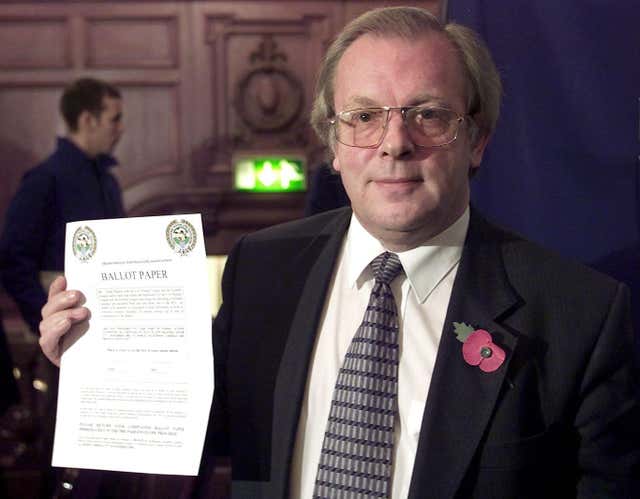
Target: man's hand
62	310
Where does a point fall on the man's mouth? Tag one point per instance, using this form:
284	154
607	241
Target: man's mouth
399	181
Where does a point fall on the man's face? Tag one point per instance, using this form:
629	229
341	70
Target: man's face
404	194
106	129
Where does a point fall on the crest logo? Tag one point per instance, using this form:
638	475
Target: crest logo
181	236
84	243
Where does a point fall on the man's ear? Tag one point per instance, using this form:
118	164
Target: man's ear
478	145
336	163
86	121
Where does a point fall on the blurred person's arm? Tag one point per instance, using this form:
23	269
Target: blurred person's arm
22	245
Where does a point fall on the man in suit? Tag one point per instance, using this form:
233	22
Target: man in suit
537	401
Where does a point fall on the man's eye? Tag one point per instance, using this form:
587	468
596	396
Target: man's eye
359	117
428	114
368	116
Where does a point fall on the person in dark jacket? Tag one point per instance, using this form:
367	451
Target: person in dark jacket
74	183
326	191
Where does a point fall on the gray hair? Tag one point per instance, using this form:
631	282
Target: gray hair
484	88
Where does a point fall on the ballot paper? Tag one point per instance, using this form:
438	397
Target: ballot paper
136	380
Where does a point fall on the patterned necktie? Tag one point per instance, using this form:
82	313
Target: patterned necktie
357	451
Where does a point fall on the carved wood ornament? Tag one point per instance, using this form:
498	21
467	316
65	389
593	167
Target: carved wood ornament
269	97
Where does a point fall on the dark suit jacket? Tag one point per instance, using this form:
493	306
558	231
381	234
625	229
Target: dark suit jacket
557	419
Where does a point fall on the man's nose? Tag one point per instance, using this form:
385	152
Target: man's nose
396	142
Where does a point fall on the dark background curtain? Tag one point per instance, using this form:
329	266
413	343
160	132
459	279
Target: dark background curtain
563	167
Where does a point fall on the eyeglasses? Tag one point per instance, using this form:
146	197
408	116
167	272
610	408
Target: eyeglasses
427	126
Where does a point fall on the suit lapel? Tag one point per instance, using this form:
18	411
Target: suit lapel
461	397
292	374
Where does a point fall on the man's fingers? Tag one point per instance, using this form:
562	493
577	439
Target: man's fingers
62	310
58	284
55	326
61	300
50	342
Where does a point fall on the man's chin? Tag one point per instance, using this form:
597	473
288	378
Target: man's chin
401	224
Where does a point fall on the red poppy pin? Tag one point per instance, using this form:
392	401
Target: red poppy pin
478	348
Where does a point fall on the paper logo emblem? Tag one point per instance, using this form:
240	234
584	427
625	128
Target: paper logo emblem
84	243
181	236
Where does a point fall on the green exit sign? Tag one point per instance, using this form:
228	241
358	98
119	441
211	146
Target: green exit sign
270	174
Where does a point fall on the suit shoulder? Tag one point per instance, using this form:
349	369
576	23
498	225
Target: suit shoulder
317	225
533	266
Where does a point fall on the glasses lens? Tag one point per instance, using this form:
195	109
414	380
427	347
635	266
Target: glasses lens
360	127
430	126
427	126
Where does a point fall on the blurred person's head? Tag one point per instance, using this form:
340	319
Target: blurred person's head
92	111
407	106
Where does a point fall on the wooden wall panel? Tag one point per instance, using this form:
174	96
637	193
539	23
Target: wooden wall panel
144	42
33	113
150	145
34	44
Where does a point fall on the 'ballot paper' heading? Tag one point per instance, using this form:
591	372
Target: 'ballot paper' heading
134	275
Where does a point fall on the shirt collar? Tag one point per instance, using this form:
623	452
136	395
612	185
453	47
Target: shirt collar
425	266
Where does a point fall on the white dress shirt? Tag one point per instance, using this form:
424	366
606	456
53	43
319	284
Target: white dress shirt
422	296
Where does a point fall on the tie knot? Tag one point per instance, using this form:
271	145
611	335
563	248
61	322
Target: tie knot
386	267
